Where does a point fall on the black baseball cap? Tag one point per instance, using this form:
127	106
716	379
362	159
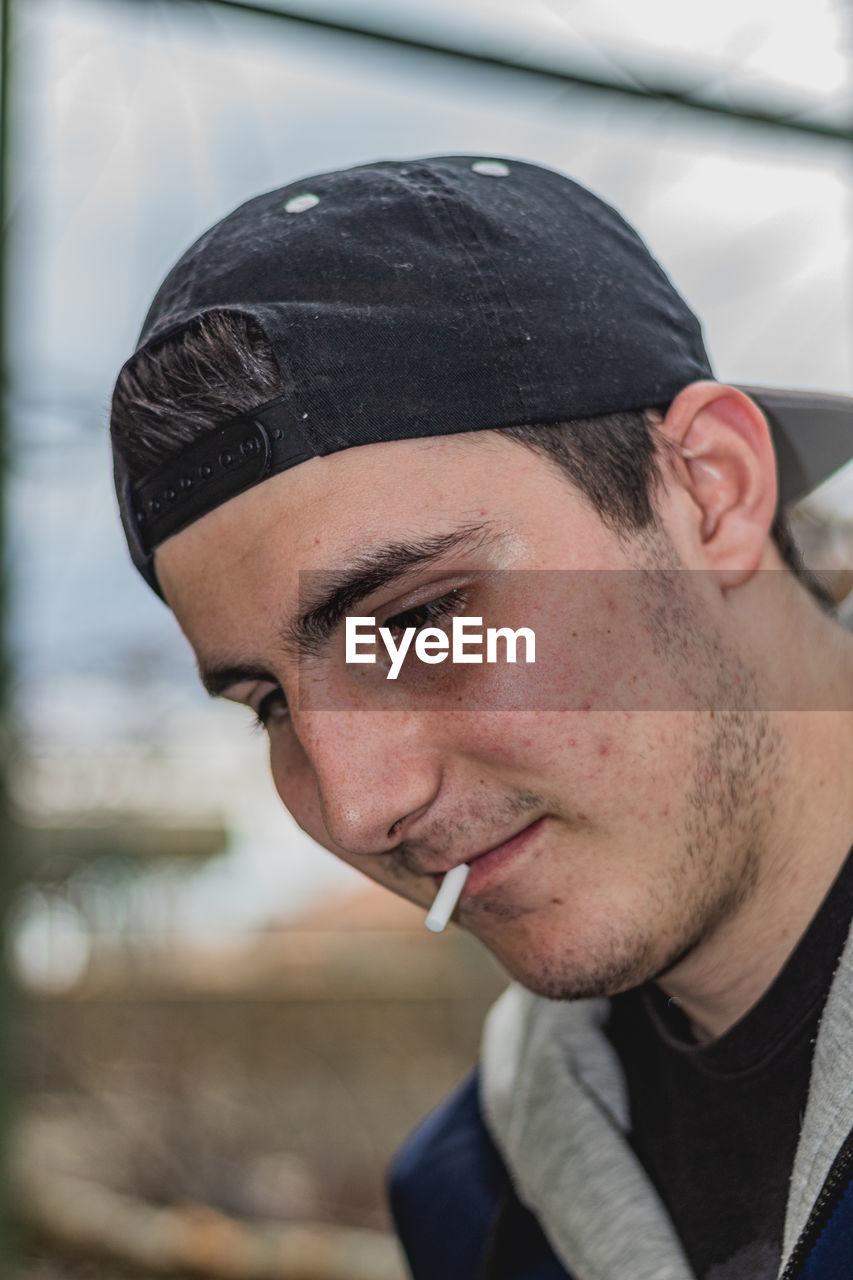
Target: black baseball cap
427	297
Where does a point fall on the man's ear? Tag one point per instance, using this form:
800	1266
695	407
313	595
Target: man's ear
727	467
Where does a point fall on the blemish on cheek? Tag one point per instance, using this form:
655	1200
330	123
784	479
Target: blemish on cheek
586	705
604	748
558	902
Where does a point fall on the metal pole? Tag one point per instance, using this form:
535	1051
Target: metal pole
677	95
7	841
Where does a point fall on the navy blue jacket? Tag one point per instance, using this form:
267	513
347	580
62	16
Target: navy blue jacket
458	1217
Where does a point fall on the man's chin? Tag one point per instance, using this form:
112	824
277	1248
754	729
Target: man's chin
558	978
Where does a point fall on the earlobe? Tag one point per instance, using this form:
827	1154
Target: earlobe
728	470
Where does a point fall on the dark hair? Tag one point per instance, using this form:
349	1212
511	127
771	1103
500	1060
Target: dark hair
222	365
615	461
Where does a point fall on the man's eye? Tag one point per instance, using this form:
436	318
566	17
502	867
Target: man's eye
431	614
271	708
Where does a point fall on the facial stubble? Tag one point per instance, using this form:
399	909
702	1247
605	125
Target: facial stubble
718	839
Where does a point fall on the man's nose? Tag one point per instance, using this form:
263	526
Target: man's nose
376	774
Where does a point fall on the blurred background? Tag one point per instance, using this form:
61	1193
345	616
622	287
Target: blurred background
215	1033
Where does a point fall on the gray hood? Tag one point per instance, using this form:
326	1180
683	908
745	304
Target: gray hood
555	1102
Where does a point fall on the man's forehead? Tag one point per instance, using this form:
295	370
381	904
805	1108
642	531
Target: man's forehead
325	511
280	564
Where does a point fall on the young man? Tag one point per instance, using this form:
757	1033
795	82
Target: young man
417	392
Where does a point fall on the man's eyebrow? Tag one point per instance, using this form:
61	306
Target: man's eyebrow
340	591
217	678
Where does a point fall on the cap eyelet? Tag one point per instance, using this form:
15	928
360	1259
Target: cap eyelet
491	168
301	203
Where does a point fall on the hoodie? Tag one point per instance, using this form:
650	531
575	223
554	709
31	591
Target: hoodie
526	1173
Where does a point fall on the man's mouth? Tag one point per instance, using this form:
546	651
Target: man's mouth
490	864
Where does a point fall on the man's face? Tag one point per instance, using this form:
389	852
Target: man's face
608	815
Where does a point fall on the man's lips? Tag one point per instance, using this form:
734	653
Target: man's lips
487	866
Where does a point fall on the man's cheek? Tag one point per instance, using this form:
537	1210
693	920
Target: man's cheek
297	790
294	781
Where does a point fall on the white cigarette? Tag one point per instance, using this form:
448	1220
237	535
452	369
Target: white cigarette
447	897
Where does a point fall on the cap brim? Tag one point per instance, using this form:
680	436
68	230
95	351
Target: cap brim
812	435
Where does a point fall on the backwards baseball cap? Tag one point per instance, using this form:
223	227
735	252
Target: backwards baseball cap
427	297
